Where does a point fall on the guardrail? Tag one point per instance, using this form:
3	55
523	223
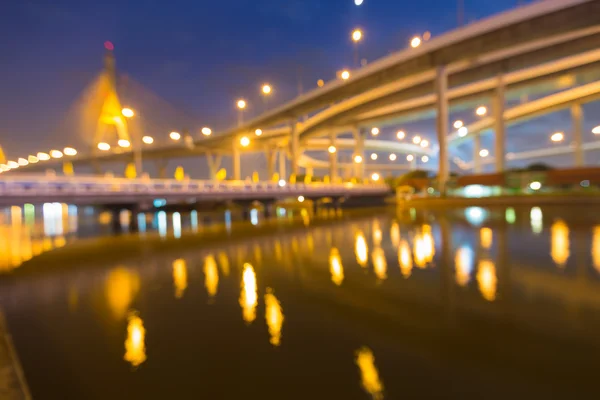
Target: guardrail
49	186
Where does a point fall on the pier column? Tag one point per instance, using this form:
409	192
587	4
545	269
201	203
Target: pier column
577	118
499	125
476	156
359	150
214	162
294	147
271	155
333	158
282	172
441	89
236	161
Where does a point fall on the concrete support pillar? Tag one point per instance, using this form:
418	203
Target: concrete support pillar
359	150
236	161
333	158
161	166
214	163
577	117
499	125
441	89
476	156
309	171
271	155
282	161
294	147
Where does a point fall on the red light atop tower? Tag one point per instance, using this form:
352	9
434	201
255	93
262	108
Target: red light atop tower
109	46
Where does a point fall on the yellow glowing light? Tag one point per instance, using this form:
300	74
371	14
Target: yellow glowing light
559	238
358	159
464	265
69	151
405	259
424	248
43	156
206	131
481	111
241	104
179	277
369	375
33	159
379	263
331	149
374	156
245	141
410	157
102	146
249	295
56	154
393	157
484	153
458	124
557	137
320	83
266	89
148	139
596	130
127	112
274	317
301	199
395	234
211	273
416	139
377	234
335	267
415	42
424	143
375	177
175	135
424	159
124	143
120	288
258	132
596	248
356	35
400	135
12	164
361	249
487	280
22	162
135	344
375	131
486	237
345	75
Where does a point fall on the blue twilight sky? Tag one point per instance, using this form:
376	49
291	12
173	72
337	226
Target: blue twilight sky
198	55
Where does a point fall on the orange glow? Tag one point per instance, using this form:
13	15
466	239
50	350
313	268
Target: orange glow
120	288
405	259
559	237
379	263
369	375
487	280
596	248
211	275
464	265
135	344
486	237
179	277
249	294
361	249
335	267
274	317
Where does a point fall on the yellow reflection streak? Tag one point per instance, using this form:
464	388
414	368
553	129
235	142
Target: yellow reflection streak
405	259
486	238
223	262
464	265
487	280
179	277
559	243
369	375
278	250
361	249
379	263
211	275
249	295
377	234
395	234
335	267
135	344
305	217
537	220
274	317
121	287
596	248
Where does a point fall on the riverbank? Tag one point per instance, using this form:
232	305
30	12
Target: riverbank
12	380
504	201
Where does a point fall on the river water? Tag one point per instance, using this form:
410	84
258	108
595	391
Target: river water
471	303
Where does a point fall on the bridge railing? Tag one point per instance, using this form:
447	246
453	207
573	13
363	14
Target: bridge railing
23	185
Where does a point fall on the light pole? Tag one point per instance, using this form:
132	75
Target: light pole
266	92
137	146
241	105
356	37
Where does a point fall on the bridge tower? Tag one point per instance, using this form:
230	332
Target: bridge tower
111	121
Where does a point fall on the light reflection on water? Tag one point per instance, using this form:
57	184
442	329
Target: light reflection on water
369	375
249	294
135	343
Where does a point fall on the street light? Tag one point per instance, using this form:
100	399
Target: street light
241	104
332	149
462	132
356	37
43	156
393	157
127	112
258	132
416	139
301	199
375	131
458	124
424	159
244	141
481	111
358	2
358	159
101	146
56	154
557	137
374	156
124	143
596	130
345	75
415	42
12	164
175	136
320	83
206	131
484	153
410	157
424	143
69	151
266	89
375	177
148	139
33	159
22	162
400	135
